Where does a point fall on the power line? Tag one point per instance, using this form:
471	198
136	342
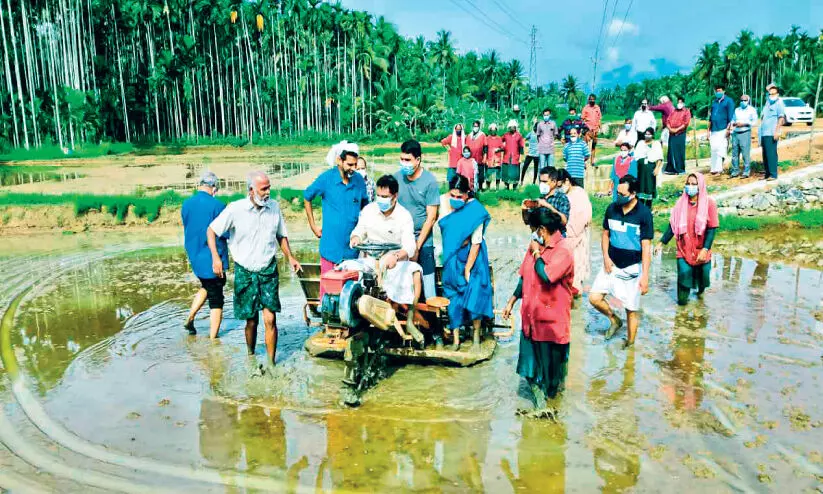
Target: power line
617	38
505	9
597	46
499	29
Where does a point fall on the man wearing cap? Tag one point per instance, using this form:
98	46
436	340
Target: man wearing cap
343	194
256	232
745	116
513	145
198	212
771	121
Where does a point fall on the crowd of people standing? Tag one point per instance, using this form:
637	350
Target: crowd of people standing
406	206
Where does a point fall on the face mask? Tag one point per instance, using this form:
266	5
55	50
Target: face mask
591	103
691	190
623	200
475	129
260	201
573	138
544	188
546	118
744	104
407	169
467	154
624	153
493	132
627	126
384	203
362	173
349	173
456	203
458	132
643	107
537	238
718	95
772	98
572	116
648	137
680	106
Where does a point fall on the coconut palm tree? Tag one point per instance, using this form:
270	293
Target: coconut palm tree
569	91
442	55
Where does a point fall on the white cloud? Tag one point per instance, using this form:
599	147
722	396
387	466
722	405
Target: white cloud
612	54
628	28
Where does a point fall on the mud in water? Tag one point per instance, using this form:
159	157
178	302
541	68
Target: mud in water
113	395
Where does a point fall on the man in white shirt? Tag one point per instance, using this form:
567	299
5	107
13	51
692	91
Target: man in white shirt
627	135
745	117
643	119
386	222
256	231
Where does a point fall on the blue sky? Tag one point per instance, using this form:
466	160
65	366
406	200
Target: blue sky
658	38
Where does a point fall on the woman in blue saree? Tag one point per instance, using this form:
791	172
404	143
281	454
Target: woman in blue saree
466	274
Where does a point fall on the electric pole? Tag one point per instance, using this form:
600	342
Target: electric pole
533	56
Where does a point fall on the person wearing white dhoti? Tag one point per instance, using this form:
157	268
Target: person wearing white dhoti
386	222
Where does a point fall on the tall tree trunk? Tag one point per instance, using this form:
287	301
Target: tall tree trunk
7	72
17	77
122	85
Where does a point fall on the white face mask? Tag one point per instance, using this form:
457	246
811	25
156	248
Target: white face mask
362	173
680	106
624	153
544	188
573	138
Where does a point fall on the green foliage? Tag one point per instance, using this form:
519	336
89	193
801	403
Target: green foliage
51	152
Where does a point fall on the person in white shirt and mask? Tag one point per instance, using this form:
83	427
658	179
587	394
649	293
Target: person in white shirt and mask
385	221
745	117
643	119
627	135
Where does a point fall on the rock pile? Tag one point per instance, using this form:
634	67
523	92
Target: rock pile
806	194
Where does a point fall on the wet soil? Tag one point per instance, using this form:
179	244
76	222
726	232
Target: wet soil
111	394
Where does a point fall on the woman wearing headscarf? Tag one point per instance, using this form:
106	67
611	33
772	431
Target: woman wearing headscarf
466	272
455	144
578	229
694	222
546	277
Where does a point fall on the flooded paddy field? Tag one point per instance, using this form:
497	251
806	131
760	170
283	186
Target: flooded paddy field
102	390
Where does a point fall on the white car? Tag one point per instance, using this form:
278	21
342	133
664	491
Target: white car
797	111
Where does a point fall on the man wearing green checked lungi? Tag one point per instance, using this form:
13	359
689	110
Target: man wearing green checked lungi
256	231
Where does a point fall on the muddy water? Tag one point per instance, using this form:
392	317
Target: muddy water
112	395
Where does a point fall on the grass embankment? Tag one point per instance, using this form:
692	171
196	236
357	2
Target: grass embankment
150	208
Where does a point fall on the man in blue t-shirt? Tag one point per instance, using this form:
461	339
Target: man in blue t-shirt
198	212
343	192
628	231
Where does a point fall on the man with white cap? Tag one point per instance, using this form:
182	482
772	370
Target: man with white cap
513	145
256	231
198	212
343	194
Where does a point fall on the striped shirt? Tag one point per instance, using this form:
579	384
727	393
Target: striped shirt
575	154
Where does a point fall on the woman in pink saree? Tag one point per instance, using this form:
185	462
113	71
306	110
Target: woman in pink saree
578	229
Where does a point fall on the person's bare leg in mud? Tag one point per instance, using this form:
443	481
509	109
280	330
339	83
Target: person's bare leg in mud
632	322
410	326
270	324
476	335
196	305
598	301
215	318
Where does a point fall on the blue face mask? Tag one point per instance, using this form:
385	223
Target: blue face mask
744	104
691	190
384	203
718	95
623	200
546	118
772	98
456	203
467	155
537	238
406	169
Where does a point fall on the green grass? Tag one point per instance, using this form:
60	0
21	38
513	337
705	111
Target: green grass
51	152
16	175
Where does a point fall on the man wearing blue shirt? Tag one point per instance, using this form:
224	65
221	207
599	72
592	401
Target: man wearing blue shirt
198	212
719	127
771	120
343	194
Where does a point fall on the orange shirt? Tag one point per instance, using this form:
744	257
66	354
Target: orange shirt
591	117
